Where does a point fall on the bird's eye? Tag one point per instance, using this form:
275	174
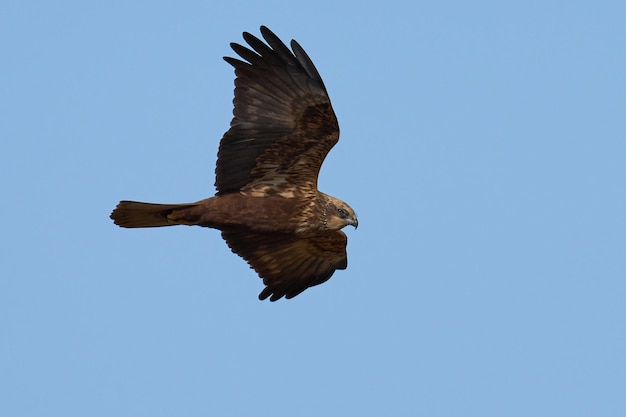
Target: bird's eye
342	213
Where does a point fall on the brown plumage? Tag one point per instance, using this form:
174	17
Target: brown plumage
267	203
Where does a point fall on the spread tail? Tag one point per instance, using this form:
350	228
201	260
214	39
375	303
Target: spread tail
135	214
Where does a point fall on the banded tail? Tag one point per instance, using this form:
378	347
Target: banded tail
133	214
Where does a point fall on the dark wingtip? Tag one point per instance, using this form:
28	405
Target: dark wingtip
267	292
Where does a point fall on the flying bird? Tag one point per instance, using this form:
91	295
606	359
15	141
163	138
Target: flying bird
267	204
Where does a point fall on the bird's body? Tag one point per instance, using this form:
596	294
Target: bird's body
275	214
267	203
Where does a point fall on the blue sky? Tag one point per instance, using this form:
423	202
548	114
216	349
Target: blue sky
483	147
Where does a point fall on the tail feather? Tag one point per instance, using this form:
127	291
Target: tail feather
136	214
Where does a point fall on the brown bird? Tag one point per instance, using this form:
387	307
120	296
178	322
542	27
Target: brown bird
267	203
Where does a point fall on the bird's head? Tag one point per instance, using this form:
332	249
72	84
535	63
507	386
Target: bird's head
338	214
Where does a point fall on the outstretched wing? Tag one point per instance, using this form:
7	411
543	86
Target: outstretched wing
283	125
288	264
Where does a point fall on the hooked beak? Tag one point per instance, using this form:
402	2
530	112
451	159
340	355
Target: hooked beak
355	223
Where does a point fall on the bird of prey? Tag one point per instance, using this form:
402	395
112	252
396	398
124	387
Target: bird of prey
267	204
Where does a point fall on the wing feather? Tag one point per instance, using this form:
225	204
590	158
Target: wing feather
289	264
283	125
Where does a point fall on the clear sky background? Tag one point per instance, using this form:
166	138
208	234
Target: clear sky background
483	146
